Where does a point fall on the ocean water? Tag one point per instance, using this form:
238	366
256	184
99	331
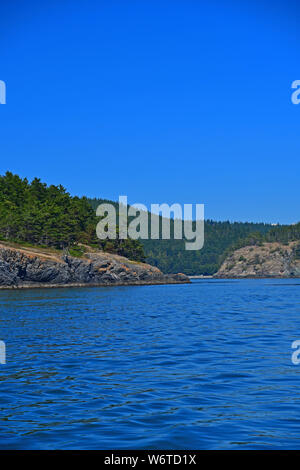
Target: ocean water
200	366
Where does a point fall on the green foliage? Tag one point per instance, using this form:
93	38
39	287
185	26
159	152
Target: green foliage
170	255
41	215
48	216
284	234
77	251
132	249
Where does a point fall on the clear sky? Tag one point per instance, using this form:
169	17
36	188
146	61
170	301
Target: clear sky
164	101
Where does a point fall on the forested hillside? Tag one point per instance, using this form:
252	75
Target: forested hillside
170	255
282	234
48	216
34	213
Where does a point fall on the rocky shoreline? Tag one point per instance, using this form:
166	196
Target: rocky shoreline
269	260
22	267
70	285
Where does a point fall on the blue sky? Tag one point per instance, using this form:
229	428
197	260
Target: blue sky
163	101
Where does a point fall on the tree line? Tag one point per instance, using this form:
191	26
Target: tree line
49	216
170	255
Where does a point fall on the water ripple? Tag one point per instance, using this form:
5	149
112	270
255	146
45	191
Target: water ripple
206	366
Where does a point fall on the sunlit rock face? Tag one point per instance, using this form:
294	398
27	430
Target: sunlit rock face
268	260
21	267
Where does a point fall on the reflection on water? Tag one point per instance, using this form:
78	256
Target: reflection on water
206	366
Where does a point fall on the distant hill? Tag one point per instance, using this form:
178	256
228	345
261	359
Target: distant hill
48	216
170	255
273	254
265	260
283	234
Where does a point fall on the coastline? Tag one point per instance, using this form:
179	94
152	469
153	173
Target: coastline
132	283
27	268
80	284
255	277
200	276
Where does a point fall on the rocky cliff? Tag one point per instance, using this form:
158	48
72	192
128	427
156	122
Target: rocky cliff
268	260
35	267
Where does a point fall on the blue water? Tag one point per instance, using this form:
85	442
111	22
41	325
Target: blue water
202	366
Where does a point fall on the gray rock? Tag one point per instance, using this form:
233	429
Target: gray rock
34	267
270	260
